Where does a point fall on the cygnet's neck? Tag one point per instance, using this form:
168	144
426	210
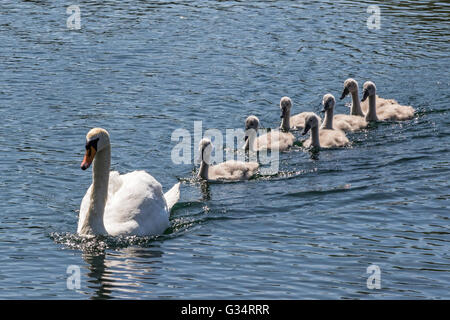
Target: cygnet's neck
285	123
250	138
93	223
372	114
315	137
203	171
328	120
356	106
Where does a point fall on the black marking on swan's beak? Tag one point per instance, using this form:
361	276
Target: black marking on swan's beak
344	93
365	95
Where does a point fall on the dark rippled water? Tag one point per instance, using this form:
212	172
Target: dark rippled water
142	69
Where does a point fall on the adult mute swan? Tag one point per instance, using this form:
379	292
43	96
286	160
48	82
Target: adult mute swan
383	109
229	170
274	139
114	204
323	138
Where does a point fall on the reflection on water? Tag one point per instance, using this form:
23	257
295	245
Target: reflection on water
121	272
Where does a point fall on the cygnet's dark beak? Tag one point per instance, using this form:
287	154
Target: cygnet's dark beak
307	127
365	95
344	93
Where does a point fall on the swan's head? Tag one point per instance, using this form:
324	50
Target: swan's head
369	89
350	86
311	121
96	140
285	106
328	102
205	148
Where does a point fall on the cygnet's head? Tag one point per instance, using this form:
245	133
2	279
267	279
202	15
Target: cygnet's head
252	122
205	148
251	127
350	86
311	121
369	89
285	106
328	102
96	140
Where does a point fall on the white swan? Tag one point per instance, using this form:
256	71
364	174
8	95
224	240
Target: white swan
272	140
344	122
229	170
383	109
323	138
129	204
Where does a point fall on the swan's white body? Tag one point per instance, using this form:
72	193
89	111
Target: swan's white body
135	205
129	204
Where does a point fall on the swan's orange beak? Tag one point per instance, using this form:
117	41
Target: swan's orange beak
88	157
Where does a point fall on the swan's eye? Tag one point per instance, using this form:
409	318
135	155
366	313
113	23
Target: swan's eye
92	143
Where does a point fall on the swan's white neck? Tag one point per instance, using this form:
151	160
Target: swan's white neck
356	106
372	114
328	121
285	123
315	137
93	223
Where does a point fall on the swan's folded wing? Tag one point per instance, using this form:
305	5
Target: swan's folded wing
138	207
172	196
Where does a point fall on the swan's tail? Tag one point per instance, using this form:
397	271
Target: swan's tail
172	196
